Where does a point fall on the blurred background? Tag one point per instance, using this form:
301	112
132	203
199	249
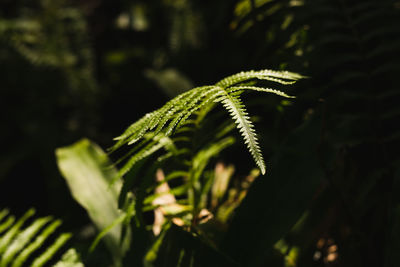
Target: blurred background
73	69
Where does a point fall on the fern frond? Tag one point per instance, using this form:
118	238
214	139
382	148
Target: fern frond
24	237
283	77
237	110
175	113
209	97
259	89
131	130
158	142
159	117
10	220
181	110
23	256
17	243
164	114
46	256
7	238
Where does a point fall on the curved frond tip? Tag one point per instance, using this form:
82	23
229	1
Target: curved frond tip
242	120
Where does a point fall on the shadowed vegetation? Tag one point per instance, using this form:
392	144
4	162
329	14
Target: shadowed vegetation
189	182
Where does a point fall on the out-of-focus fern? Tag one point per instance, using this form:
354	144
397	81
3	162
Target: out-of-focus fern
174	115
54	36
351	49
186	25
18	242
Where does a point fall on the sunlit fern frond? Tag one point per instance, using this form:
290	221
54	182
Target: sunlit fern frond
237	110
176	112
157	142
19	243
283	77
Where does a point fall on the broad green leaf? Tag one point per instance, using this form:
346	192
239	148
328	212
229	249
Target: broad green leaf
88	173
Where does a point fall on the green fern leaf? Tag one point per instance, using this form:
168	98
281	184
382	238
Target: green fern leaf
159	142
46	256
23	256
238	113
176	112
18	243
24	237
259	89
283	77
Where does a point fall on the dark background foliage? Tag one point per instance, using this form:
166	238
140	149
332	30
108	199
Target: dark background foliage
90	68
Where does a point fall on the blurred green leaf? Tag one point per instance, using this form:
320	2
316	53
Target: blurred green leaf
171	81
19	243
88	173
70	259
